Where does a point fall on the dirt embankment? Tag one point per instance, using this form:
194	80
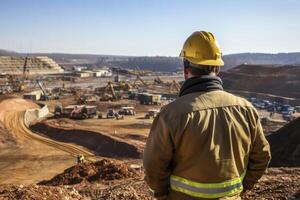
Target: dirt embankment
100	144
10	109
103	170
21	156
285	145
280	80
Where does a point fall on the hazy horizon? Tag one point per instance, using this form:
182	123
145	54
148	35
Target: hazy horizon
147	28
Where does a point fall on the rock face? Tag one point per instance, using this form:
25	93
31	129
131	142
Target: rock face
285	145
35	65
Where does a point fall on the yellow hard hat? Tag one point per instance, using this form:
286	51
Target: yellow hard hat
201	48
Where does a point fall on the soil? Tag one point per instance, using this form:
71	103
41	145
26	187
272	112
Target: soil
6	138
285	145
21	155
277	183
35	192
103	170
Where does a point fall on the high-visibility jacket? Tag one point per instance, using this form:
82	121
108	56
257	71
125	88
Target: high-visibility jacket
205	146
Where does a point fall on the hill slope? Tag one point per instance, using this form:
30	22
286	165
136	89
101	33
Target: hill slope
285	145
276	80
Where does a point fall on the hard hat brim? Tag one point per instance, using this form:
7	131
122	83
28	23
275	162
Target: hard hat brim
218	62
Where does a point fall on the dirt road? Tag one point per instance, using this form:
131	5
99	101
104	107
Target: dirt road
33	158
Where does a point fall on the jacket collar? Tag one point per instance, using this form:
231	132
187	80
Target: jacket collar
201	84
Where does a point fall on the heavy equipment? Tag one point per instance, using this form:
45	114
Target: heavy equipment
158	80
111	113
46	95
75	111
138	78
109	93
127	110
174	87
152	113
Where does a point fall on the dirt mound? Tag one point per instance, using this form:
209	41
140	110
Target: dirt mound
285	145
103	170
277	183
35	192
100	144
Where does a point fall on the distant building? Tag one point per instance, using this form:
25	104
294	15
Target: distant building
104	72
79	68
83	74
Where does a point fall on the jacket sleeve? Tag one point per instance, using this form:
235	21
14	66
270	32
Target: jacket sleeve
157	157
259	157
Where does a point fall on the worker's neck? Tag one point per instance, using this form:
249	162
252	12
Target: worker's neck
189	75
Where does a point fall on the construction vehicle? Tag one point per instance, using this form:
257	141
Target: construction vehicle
149	99
117	78
87	98
158	80
109	93
138	78
127	110
111	113
152	113
174	87
46	95
75	111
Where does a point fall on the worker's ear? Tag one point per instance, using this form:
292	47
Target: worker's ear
186	69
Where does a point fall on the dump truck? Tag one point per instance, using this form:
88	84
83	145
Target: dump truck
75	111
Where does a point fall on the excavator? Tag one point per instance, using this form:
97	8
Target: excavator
174	87
138	78
158	80
109	93
45	94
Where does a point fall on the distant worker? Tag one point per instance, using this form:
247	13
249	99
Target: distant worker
80	159
207	144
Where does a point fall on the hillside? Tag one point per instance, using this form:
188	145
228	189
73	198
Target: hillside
276	80
285	145
34	65
160	63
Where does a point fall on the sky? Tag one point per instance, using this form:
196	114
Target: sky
147	27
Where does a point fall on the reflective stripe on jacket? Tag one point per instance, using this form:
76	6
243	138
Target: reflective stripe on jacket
205	139
207	190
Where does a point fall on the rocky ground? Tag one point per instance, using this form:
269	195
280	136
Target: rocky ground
114	180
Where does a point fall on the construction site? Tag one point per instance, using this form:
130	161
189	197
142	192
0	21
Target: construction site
50	117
